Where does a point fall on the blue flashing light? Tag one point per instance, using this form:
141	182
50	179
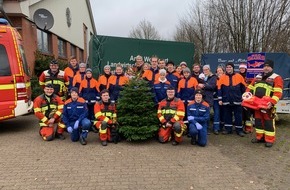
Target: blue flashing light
3	21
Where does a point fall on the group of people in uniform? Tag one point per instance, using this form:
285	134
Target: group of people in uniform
183	99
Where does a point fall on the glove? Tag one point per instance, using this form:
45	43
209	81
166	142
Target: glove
69	129
190	118
76	125
198	126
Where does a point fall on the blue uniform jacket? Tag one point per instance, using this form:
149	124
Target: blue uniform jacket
200	112
210	89
74	110
160	91
173	79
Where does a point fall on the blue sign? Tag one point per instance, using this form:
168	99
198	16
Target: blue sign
255	64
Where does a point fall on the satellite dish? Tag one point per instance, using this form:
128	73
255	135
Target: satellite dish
43	19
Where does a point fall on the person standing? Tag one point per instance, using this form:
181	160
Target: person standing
198	117
89	91
266	84
231	86
186	88
80	76
218	109
160	86
116	83
104	78
154	67
75	113
172	76
71	70
247	113
56	77
209	88
106	119
48	109
170	114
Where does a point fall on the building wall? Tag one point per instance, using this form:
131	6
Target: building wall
79	16
77	34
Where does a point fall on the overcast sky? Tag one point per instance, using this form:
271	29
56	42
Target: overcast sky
118	17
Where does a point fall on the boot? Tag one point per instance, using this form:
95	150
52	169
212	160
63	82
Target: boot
268	144
59	136
174	143
104	143
254	140
83	140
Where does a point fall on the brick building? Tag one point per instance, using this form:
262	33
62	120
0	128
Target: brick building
69	36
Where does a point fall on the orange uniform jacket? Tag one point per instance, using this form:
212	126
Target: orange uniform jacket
105	112
45	109
230	88
103	81
115	85
69	73
171	111
274	82
78	78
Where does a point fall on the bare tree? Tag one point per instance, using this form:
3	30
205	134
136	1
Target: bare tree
237	26
145	30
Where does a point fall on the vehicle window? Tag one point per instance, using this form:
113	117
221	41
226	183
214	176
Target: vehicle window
4	62
24	61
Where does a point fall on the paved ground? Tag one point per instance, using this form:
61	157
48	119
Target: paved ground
228	162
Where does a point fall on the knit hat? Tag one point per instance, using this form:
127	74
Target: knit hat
269	63
206	66
89	70
231	64
82	65
183	63
243	65
74	89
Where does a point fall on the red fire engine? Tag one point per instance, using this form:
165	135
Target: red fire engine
15	89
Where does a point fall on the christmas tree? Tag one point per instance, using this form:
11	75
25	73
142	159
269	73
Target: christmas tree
136	113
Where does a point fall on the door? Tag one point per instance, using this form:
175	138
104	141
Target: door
7	86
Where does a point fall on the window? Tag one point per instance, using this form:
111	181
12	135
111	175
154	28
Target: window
72	50
24	61
61	48
43	41
4	62
81	56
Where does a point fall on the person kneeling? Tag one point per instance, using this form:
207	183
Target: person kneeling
75	113
106	119
198	118
171	112
48	109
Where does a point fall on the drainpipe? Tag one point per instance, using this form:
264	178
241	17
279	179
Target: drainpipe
3	12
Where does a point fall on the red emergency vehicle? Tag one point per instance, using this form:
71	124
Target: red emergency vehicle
15	88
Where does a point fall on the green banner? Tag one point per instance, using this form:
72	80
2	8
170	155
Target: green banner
107	50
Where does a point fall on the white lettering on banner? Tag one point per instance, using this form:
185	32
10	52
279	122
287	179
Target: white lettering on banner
113	65
242	60
145	58
231	60
132	58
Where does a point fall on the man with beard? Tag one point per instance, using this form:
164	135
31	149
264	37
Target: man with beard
266	84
